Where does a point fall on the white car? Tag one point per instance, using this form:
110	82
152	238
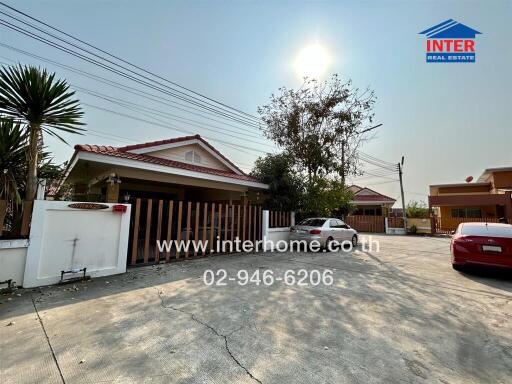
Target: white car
323	230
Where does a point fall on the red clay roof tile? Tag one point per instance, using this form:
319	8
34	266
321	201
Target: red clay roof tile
373	198
123	152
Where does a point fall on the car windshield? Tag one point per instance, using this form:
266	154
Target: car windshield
313	222
492	230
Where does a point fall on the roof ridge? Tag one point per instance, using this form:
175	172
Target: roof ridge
149	144
177	140
378	193
158	142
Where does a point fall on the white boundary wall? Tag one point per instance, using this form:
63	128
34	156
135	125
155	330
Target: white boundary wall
64	238
13	255
275	234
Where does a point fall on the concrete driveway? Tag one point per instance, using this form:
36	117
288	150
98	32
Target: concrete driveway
401	315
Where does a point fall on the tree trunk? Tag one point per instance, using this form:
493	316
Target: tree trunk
33	152
343	162
3	211
32	155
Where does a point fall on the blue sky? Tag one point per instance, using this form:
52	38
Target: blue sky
448	120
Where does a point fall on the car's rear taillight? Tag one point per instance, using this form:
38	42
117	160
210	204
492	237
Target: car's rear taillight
315	232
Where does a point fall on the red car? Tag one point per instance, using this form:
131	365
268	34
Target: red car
487	244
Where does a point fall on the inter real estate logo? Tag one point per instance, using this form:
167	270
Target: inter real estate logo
450	42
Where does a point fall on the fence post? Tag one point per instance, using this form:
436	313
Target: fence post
386	225
292	218
41	187
264	223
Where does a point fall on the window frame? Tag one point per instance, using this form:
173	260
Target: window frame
194	157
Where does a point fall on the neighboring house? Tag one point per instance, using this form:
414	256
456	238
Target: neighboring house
369	202
487	199
183	168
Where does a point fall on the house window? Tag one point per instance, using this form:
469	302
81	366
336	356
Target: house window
192	157
466	212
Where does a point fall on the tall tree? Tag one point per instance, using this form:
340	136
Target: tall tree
45	104
320	125
326	196
285	185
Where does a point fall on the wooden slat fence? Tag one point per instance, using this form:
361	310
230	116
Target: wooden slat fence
169	220
364	223
279	219
395	222
449	224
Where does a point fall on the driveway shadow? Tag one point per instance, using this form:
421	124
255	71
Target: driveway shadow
493	277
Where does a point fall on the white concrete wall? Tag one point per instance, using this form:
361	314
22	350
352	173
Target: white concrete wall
275	234
13	255
64	238
393	231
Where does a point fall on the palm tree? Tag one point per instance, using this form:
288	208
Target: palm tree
36	98
13	165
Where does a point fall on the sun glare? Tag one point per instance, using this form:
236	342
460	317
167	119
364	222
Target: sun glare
312	61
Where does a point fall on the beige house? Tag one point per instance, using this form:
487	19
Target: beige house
369	202
183	168
487	199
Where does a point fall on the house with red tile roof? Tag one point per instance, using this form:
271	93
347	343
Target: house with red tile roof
182	168
369	202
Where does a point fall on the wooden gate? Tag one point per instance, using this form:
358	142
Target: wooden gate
364	223
395	222
187	222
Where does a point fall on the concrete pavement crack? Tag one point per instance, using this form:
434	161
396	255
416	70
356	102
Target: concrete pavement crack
213	330
48	341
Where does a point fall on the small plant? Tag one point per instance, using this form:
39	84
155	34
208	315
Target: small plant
417	209
413	230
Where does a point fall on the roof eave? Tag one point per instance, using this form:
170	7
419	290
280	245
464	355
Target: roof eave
132	163
476	184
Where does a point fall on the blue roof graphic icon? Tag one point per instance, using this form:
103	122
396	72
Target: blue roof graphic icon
450	29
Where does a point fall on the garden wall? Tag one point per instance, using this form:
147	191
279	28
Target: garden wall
65	235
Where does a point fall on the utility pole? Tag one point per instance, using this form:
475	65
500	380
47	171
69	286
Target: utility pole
400	166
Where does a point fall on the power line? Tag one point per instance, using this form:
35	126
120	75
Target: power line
174	128
384	162
365	157
131	106
122	60
110	98
224	106
379	164
162	113
379	172
124	87
180	95
123	74
144	111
